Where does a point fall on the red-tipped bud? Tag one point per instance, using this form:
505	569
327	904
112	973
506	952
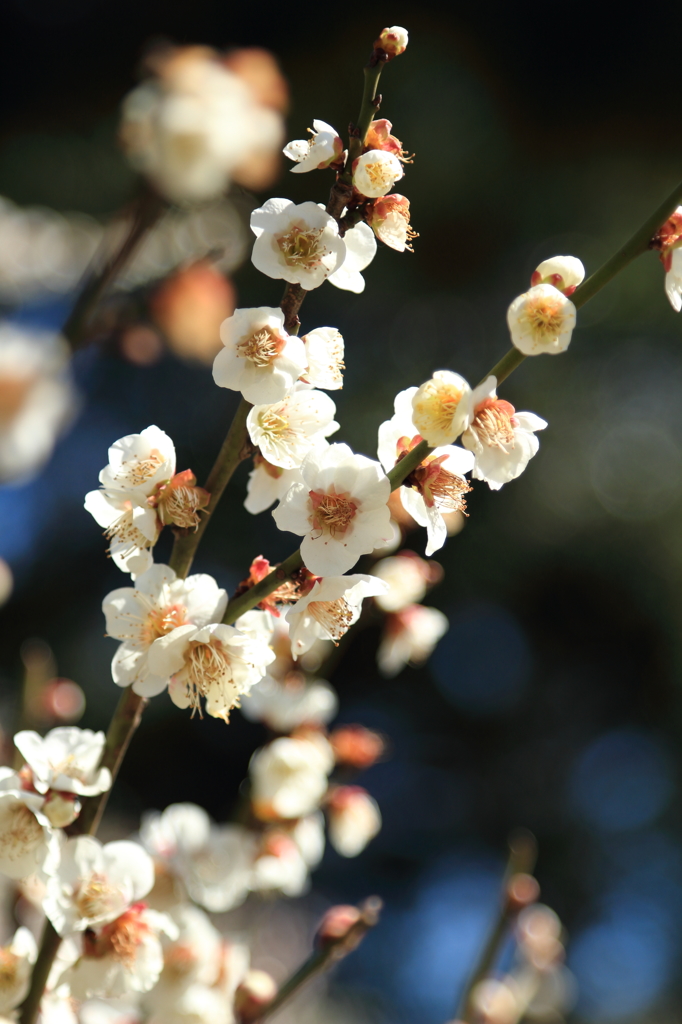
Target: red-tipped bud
356	747
336	924
522	890
255	992
392	41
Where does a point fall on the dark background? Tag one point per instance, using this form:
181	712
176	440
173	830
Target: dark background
554	700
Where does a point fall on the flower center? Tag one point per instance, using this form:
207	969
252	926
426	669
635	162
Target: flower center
334	616
9	962
301	248
379	174
138	471
543	316
439	486
494	422
96	898
332	512
208	667
126	934
436	407
261	347
276	426
161	621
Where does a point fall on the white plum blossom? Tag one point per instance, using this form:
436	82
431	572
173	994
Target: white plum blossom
259	357
37	398
438	485
376	172
193	956
28	844
217	872
179	831
393	41
564	272
16	960
157	604
66	759
138	465
354	818
330	608
502	440
267	484
410	637
390	221
286	431
406	577
541	320
195	125
289	776
340	510
361	248
196	1004
299	244
216	662
324	350
441	408
94	884
294	701
279	866
673	280
122	957
322	149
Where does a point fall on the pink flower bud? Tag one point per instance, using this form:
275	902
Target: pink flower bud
336	924
392	41
256	990
357	747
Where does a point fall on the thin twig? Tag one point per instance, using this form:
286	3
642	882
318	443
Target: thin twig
49	946
325	957
522	857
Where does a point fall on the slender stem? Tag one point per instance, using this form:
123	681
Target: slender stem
50	942
522	856
234	450
250	598
322	959
368	109
145	213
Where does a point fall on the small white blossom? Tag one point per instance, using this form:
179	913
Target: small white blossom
299	244
325	350
138	463
157	604
410	637
132	529
259	357
673	280
340	510
406	577
289	776
390	220
95	884
16	960
217	873
441	408
195	126
267	484
361	248
283	706
329	610
541	320
37	398
217	662
66	759
502	440
376	172
27	842
564	272
354	819
279	866
322	149
437	486
121	958
177	832
287	431
193	956
393	40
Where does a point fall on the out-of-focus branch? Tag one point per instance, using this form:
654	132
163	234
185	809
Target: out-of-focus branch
49	946
518	890
144	214
330	952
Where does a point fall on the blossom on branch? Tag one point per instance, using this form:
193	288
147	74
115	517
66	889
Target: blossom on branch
131	529
441	408
259	357
673	279
324	350
392	41
541	320
565	273
66	759
289	776
157	604
215	662
410	636
179	502
323	149
286	431
379	137
407	578
267	484
292	702
389	218
329	609
503	440
376	172
340	509
361	248
354	819
28	844
299	244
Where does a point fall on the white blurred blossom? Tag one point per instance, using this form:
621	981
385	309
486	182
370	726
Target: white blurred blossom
66	758
354	819
28	844
16	961
409	637
289	776
284	705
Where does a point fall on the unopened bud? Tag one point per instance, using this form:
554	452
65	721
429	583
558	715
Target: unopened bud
496	1002
564	273
61	809
180	501
256	990
189	307
336	924
354	819
522	890
355	746
392	41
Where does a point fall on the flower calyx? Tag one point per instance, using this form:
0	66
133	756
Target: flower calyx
668	237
